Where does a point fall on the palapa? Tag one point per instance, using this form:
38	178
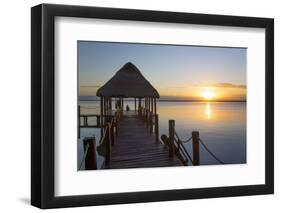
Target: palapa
128	82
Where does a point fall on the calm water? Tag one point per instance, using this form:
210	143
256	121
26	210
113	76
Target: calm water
222	127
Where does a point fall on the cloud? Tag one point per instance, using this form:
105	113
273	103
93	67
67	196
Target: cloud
229	85
171	87
225	85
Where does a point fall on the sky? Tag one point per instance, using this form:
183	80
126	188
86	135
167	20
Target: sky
176	71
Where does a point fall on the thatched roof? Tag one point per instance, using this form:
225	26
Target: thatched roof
128	82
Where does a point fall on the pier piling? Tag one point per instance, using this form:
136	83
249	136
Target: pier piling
171	137
195	147
90	148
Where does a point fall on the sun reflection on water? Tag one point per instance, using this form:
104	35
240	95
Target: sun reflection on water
208	110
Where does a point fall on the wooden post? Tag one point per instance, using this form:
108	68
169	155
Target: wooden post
145	108
78	128
121	104
144	103
110	104
104	104
152	105
101	116
115	124
112	133
171	137
148	103
135	104
156	128
150	122
155	109
147	112
195	147
107	145
147	118
139	106
139	103
98	121
86	121
91	158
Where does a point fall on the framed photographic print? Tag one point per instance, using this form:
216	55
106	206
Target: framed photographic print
140	106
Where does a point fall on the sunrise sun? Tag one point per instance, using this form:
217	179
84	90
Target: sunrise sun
208	94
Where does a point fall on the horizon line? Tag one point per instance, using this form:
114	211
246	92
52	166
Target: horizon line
167	100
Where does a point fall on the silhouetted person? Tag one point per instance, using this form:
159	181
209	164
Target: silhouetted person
127	108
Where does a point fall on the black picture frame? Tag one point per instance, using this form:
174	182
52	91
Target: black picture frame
43	94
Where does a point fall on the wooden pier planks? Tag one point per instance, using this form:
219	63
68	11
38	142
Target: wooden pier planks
135	147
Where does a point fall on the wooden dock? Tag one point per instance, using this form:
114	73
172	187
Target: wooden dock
130	139
135	146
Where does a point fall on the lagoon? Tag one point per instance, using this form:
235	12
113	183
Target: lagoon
222	127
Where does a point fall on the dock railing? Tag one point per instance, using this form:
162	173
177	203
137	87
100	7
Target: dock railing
151	121
109	129
177	148
84	120
108	140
